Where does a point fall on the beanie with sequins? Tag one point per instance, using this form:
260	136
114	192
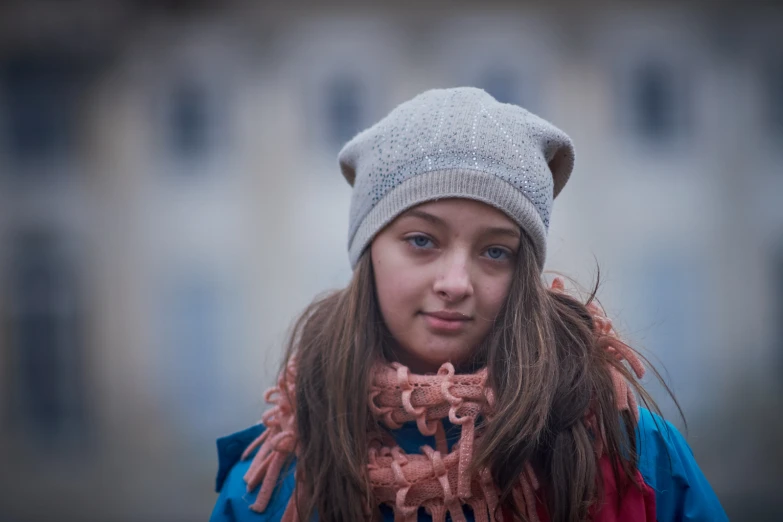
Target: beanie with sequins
455	143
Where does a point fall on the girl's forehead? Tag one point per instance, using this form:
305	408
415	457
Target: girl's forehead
460	208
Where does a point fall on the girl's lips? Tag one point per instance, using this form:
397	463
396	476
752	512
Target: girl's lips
446	321
449	315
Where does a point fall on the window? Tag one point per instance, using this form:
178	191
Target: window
46	351
344	113
774	98
195	336
777	330
40	106
191	122
657	112
671	290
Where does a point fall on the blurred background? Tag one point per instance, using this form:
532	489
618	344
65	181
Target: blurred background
170	200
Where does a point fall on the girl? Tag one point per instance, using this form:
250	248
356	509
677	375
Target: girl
447	381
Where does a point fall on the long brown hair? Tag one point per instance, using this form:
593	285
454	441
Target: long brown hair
545	365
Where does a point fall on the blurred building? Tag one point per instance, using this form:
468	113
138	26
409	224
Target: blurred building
170	199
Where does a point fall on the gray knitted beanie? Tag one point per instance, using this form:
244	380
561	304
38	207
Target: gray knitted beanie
455	143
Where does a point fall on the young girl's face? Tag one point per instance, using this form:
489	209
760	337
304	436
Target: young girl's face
442	273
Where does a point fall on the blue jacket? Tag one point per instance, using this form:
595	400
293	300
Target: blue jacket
666	463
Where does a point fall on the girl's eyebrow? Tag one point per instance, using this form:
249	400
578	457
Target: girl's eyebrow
502	231
435	220
426	216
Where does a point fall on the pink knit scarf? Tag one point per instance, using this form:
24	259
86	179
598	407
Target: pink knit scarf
437	479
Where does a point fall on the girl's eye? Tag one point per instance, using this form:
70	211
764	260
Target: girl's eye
498	254
419	241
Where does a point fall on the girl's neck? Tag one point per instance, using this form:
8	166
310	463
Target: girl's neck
420	367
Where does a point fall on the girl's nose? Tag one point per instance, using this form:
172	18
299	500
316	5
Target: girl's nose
453	282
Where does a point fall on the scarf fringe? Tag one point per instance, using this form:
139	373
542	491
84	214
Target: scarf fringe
436	480
625	397
275	445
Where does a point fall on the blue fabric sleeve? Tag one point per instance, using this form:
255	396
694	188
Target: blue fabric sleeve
233	504
666	462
